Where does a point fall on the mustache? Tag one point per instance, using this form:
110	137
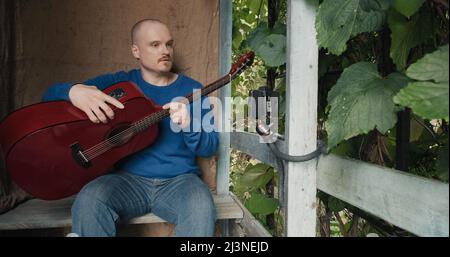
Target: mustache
165	58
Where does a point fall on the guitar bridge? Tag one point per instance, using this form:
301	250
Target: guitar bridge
78	156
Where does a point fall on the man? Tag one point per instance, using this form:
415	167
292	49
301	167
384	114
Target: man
162	178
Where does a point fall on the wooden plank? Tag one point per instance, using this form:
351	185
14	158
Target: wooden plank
223	162
249	143
54	214
414	203
223	153
301	117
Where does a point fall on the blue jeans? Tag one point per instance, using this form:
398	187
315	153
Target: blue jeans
184	200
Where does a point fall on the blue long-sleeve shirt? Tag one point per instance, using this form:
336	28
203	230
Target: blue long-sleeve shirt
173	153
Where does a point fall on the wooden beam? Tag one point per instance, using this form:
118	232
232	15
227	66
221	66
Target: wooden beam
55	214
223	162
249	143
414	203
301	116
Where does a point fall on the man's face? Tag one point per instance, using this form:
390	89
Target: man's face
154	47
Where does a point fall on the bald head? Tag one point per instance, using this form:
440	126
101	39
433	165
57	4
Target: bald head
152	44
137	28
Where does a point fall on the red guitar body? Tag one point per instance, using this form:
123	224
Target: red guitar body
39	142
52	149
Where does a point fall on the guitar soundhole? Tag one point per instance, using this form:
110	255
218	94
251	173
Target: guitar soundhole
120	135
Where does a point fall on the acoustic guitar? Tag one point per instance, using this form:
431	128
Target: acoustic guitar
52	149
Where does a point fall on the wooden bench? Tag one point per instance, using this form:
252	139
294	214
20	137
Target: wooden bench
35	214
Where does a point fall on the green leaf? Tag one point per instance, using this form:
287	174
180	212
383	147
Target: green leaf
407	7
442	162
426	98
279	28
240	189
273	50
262	31
432	66
269	44
368	5
257	175
361	101
261	204
346	148
254	6
406	34
339	20
237	38
372	15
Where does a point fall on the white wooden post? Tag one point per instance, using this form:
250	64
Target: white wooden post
223	162
301	116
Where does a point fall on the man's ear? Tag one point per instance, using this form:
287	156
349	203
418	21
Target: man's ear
135	51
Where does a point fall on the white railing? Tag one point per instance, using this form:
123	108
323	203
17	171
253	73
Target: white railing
416	204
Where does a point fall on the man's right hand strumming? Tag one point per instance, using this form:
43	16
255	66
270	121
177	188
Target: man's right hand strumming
92	101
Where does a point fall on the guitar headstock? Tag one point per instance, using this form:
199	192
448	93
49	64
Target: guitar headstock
242	63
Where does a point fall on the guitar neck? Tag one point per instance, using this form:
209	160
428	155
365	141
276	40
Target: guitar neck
243	62
210	88
160	115
154	118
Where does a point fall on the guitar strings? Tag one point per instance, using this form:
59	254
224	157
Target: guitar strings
135	128
143	124
106	145
124	135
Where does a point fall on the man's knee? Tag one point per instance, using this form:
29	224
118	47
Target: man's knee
198	214
91	198
200	202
